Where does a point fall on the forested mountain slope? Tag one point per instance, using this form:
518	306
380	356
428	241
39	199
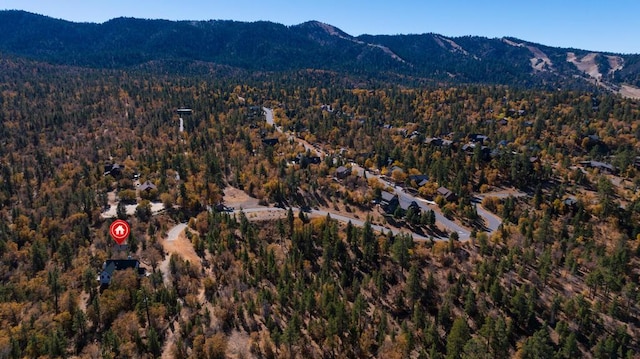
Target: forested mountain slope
265	46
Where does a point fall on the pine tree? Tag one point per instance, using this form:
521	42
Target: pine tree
153	342
38	256
413	284
400	250
55	286
121	211
369	244
457	338
66	254
538	346
570	348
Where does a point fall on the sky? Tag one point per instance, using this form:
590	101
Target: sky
597	25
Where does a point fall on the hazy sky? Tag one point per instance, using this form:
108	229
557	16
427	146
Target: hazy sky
599	25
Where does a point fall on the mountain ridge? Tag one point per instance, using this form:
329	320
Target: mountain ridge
267	46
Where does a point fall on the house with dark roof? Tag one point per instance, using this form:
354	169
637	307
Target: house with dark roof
147	186
114	170
478	138
570	204
594	138
221	207
389	202
270	141
315	160
110	266
255	110
420	180
343	172
405	204
327	108
446	194
468	147
570	201
603	167
485	151
438	142
304	160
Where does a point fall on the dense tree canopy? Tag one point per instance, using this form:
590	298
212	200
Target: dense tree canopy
556	279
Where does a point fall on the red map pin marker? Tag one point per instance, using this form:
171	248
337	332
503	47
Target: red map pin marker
119	231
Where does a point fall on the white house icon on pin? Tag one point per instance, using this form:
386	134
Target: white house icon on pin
119	230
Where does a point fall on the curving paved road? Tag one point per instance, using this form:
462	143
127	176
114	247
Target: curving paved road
492	222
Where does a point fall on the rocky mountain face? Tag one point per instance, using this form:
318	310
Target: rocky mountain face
264	46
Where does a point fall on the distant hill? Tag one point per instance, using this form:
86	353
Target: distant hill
264	46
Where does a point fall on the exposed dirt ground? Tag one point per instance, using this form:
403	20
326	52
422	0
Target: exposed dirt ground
586	64
177	243
182	246
238	199
630	91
